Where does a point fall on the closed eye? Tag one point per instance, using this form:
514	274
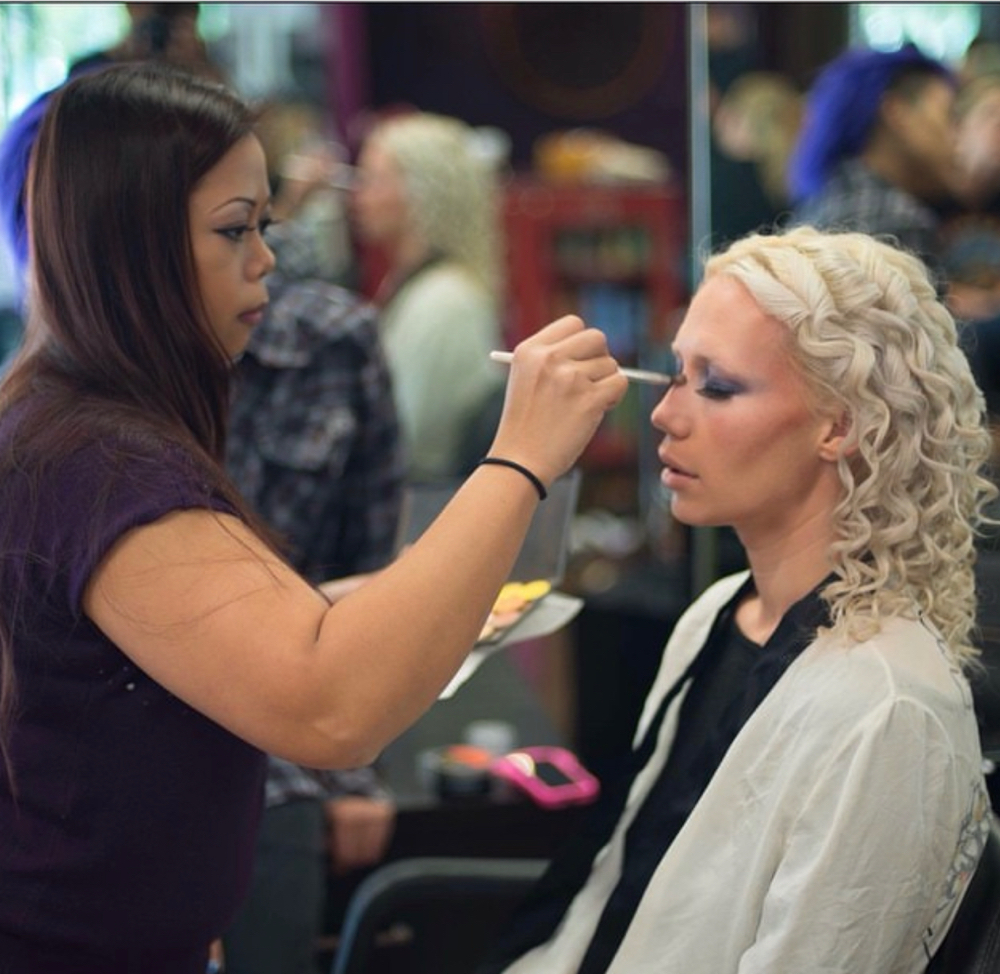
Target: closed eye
713	385
718	390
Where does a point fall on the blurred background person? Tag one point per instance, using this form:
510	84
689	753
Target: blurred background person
982	56
314	447
972	237
877	151
754	128
427	200
157	31
977	109
309	182
166	32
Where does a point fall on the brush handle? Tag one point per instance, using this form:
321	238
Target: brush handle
633	375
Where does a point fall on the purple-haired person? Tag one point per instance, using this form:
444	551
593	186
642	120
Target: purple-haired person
877	149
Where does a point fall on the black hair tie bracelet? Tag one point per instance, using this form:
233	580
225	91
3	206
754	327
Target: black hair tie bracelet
500	462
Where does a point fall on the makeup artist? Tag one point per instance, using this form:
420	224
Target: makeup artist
806	790
154	642
428	201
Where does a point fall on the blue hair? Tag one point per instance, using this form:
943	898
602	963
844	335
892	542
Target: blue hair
841	108
16	143
15	153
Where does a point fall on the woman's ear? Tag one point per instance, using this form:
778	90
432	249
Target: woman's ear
836	439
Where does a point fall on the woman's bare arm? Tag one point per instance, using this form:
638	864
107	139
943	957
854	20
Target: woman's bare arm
203	607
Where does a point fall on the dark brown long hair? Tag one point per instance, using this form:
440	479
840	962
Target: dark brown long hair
116	341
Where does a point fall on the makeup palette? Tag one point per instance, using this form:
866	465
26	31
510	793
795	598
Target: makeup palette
540	564
513	603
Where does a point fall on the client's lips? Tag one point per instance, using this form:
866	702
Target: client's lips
671	466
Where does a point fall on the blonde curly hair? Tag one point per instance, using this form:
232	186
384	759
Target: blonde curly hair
450	188
876	346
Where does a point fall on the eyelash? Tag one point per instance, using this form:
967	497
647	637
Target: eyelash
236	234
718	391
713	388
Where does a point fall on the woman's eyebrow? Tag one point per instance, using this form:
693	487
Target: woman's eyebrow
236	199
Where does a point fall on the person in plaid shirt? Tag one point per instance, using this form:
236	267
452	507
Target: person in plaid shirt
314	447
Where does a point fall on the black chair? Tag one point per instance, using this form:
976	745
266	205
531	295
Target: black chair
985	677
419	915
439	914
972	945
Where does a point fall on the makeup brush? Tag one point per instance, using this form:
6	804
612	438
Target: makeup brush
633	375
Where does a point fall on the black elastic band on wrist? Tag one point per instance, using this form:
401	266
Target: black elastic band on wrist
500	462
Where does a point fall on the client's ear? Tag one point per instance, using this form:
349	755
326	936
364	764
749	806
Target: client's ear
837	435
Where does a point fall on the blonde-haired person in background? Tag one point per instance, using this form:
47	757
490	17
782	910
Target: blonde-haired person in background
758	119
428	200
807	790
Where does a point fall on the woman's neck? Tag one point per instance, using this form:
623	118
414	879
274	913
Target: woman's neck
783	573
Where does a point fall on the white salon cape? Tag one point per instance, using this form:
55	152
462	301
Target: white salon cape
837	836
